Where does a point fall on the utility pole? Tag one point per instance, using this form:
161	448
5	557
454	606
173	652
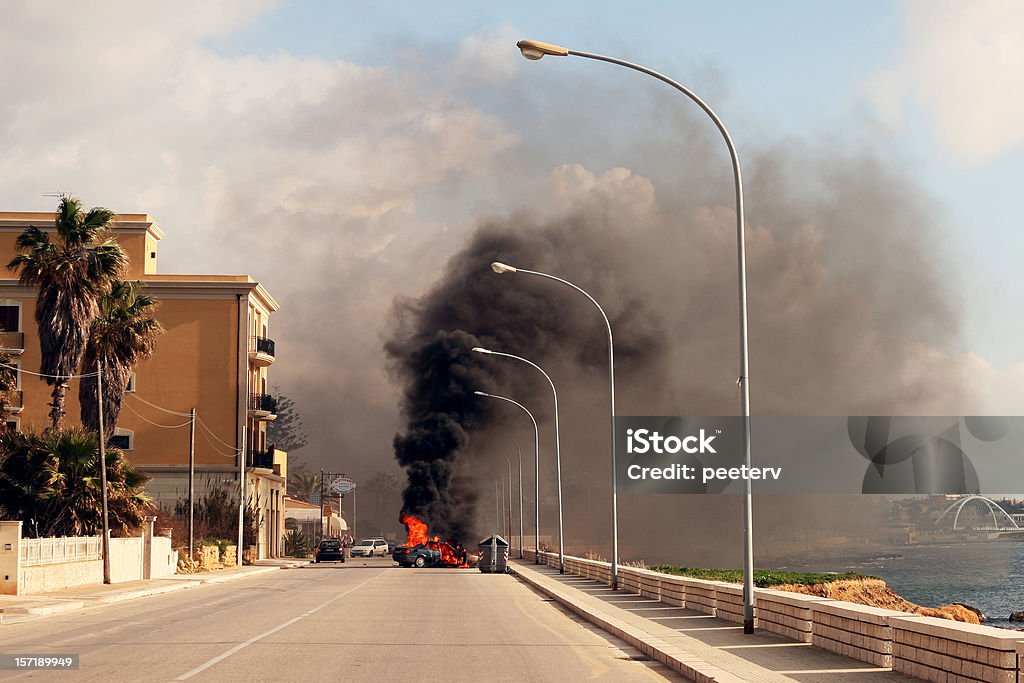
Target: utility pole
103	471
191	483
321	505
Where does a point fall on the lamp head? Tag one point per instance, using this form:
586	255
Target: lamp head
499	267
480	393
534	49
480	349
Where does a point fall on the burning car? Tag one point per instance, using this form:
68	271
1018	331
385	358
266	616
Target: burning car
416	556
421	551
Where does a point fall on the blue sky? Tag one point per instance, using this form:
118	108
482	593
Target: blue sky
341	152
790	68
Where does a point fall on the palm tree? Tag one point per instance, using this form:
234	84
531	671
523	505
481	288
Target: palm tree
123	334
71	273
302	484
52	481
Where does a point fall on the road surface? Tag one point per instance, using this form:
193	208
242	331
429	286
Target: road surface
365	620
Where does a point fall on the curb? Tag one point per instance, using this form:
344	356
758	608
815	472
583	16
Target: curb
176	583
688	665
45	609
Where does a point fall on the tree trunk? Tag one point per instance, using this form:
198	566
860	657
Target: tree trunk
60	389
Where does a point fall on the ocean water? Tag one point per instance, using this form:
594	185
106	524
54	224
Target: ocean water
986	575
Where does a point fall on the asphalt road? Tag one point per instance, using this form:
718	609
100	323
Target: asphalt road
365	620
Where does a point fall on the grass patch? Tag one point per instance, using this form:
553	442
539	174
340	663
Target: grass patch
762	578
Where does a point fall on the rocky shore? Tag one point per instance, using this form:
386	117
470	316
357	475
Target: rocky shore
876	593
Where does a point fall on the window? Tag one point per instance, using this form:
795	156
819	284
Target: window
123	439
10	316
131	384
13	424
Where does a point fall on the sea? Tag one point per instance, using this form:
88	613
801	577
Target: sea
988	576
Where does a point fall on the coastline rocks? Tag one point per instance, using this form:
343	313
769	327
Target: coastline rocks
875	592
1017	616
981	615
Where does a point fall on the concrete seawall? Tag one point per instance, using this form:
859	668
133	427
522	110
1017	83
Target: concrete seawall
923	647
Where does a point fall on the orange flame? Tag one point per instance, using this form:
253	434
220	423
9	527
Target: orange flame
416	528
451	555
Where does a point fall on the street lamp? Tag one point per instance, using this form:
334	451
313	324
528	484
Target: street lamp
509	463
520	454
536	469
534	50
500	268
558	449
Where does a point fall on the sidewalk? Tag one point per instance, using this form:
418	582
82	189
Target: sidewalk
699	646
16	608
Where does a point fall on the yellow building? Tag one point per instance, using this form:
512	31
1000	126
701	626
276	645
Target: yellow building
213	356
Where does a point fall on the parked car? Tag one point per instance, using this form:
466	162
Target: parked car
416	556
330	550
368	547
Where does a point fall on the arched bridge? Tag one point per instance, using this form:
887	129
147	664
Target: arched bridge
985	507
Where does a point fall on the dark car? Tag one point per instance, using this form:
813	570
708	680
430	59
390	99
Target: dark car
416	556
330	550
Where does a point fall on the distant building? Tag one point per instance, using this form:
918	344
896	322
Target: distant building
306	518
213	356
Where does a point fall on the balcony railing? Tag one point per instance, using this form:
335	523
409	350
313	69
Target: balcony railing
257	458
261	351
12	341
263	403
264	345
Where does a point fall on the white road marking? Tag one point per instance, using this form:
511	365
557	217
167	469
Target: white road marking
241	646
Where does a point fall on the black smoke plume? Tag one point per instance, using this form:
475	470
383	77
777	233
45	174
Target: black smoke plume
473	306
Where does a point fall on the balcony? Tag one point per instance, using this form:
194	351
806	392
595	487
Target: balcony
262	407
12	343
257	458
14	400
261	351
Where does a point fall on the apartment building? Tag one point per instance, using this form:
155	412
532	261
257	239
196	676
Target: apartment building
214	357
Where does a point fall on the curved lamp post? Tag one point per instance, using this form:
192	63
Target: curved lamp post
510	527
534	50
500	268
536	467
558	450
519	453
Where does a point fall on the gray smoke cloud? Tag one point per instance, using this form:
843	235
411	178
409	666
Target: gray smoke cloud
844	282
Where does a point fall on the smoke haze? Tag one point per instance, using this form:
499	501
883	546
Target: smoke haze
832	327
345	188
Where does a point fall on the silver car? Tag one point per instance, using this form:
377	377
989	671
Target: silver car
368	547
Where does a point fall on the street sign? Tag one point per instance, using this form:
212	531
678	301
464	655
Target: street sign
343	485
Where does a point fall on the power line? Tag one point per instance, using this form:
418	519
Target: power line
203	425
160	408
156	424
37	374
213	446
204	430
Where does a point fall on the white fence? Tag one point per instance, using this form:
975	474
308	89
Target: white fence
37	551
38	565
